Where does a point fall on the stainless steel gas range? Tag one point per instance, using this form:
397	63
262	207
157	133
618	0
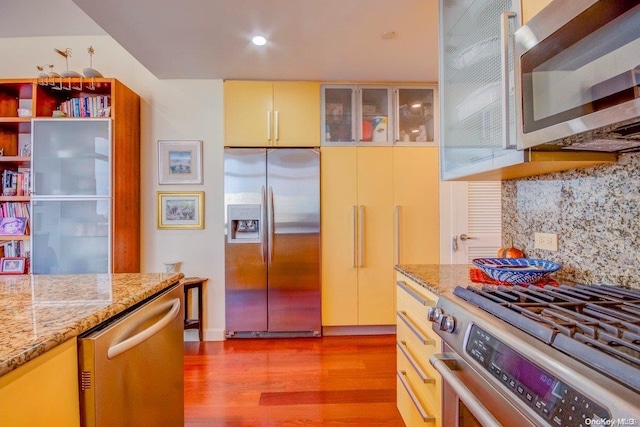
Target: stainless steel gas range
531	356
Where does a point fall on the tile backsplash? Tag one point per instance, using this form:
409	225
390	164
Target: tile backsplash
595	212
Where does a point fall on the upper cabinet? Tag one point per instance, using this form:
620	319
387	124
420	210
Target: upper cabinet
477	123
378	115
271	114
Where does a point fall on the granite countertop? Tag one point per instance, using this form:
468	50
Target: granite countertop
438	278
39	312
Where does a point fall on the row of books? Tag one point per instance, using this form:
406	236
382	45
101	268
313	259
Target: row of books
87	106
14	210
14	248
16	183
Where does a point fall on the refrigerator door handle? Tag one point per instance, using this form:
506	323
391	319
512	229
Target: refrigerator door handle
397	233
263	230
272	225
129	343
361	237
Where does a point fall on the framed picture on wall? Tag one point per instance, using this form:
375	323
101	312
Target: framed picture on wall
179	162
180	210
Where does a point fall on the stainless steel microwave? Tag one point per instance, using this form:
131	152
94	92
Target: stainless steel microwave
577	68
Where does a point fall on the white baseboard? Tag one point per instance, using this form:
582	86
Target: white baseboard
208	335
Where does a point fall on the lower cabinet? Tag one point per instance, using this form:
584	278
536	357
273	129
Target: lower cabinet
44	391
419	389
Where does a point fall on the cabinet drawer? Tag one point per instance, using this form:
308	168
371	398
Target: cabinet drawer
421	343
411	409
410	299
426	381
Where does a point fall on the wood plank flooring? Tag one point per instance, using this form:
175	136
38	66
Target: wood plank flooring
328	381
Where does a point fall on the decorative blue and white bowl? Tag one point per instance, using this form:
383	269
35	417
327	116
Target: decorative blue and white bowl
516	270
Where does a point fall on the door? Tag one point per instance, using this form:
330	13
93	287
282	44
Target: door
293	247
471	220
247	113
376	286
245	194
416	200
296	114
339	236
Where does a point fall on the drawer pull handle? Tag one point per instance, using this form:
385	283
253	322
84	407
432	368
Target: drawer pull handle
423	376
425	340
425	417
415	295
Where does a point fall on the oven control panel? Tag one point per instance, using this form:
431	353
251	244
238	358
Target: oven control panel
553	400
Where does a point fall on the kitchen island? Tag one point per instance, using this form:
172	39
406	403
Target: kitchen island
41	316
438	278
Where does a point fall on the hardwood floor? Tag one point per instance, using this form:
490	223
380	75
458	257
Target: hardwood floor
328	381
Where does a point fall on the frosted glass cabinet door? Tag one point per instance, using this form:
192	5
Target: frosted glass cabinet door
70	236
71	157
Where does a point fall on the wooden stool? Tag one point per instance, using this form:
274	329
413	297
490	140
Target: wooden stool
193	323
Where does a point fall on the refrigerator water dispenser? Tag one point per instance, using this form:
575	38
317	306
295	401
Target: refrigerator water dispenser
244	223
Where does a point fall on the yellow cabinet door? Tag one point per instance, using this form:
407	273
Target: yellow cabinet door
416	205
339	200
296	114
271	114
376	287
247	113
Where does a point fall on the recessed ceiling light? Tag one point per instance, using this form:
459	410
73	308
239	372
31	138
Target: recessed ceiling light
259	41
389	35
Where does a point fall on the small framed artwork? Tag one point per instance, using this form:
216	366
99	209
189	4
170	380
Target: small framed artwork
180	210
179	162
13	265
12	226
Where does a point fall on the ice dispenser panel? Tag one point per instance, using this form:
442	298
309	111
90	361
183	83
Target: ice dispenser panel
244	223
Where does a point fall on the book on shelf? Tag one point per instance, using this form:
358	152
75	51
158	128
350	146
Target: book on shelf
16	183
87	106
14	210
14	248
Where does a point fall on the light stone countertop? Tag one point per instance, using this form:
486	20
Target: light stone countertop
39	312
438	278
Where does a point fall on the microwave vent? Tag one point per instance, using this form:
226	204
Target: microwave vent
622	139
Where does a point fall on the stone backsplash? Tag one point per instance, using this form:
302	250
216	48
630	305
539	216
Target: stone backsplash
595	212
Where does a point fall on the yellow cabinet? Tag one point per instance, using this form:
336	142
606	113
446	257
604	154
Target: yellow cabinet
419	391
416	205
44	391
357	237
271	114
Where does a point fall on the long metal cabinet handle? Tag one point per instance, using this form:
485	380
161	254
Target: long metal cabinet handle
272	225
402	345
425	417
268	125
361	237
415	295
138	338
276	126
396	218
439	362
355	236
504	57
424	340
263	226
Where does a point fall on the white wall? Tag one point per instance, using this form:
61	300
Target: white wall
170	109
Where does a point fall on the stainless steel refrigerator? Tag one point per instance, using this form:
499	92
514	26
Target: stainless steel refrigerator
272	242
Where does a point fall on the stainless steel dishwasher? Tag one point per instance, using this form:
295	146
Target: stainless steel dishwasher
131	369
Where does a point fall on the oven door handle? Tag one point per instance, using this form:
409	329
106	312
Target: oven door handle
445	364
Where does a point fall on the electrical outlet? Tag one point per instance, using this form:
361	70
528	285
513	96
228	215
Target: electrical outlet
548	241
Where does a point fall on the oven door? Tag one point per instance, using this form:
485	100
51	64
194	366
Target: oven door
469	400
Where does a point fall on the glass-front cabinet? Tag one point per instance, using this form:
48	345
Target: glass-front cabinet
71	197
369	115
415	112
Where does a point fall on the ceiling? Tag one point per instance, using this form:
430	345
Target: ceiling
325	40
